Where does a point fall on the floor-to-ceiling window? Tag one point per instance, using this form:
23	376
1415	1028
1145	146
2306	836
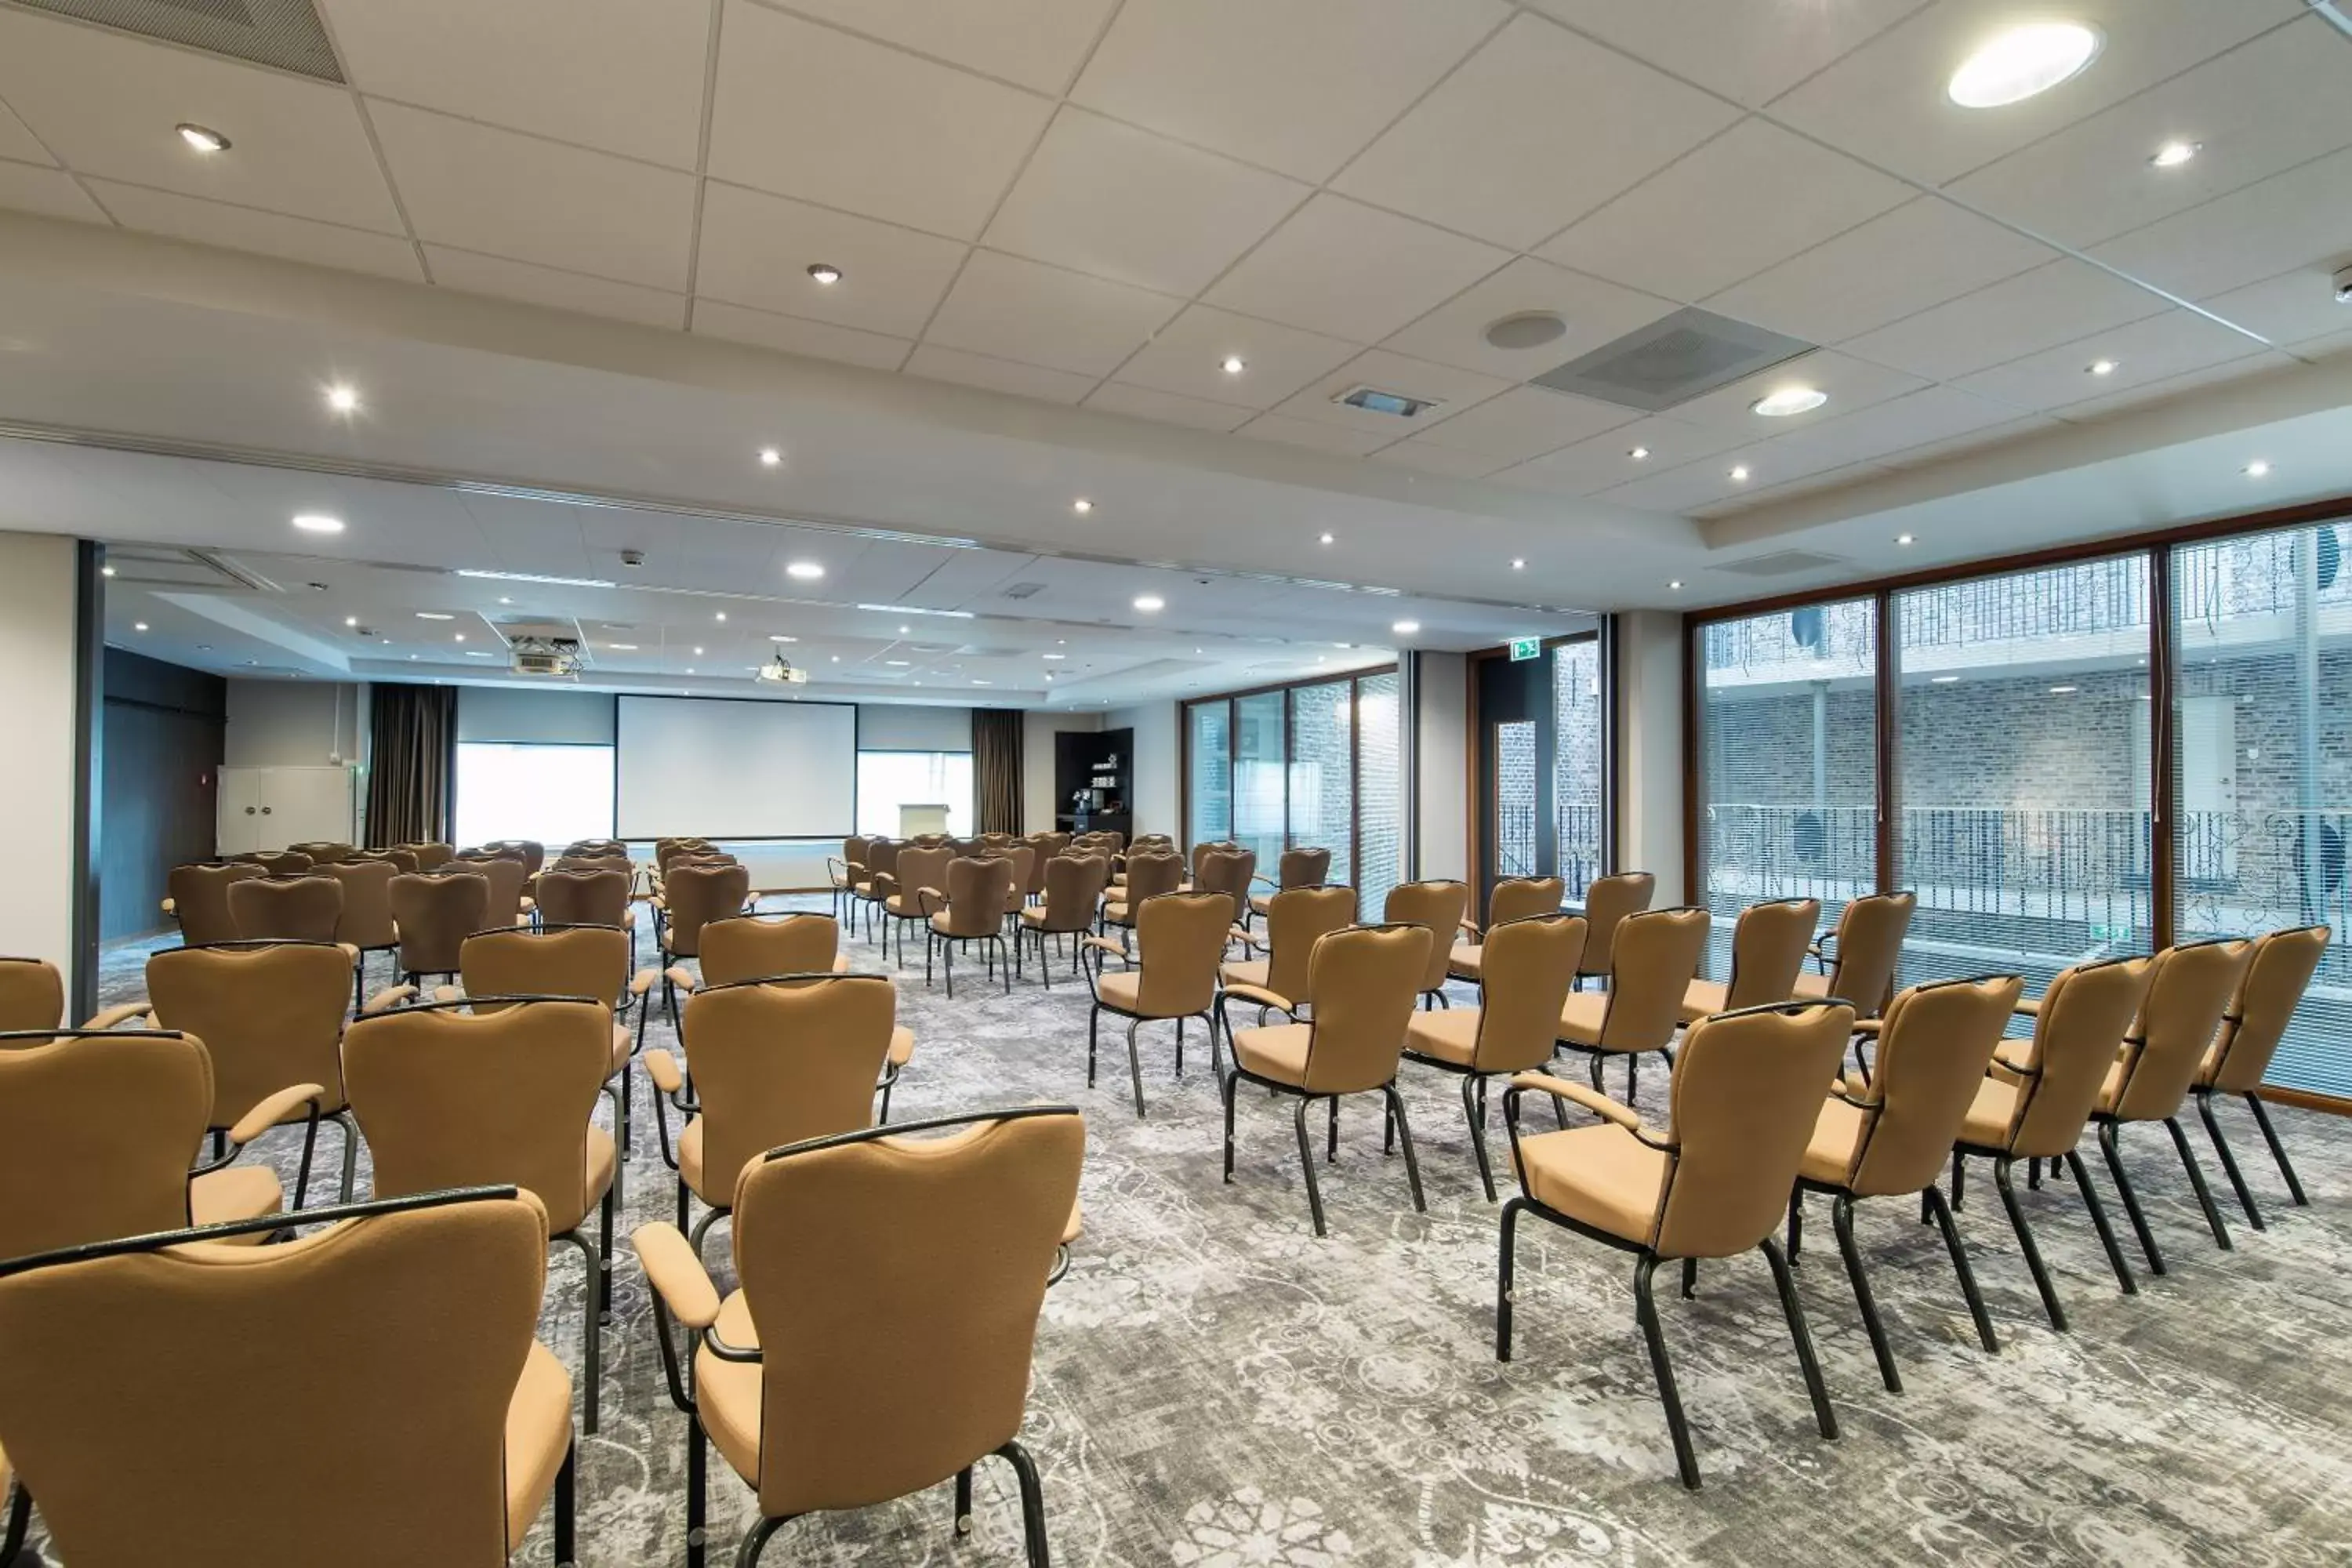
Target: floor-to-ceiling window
1323	769
1261	773
1209	783
1380	794
1577	805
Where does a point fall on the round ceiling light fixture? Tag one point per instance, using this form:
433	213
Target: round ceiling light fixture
824	272
2022	62
1405	628
1233	365
1148	603
1527	330
2172	154
203	137
318	523
1790	400
805	571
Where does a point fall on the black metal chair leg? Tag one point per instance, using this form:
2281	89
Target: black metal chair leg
1306	1161
696	1462
1331	1144
2196	1183
2113	1154
350	1153
1842	1219
1226	1087
1404	1134
567	1508
747	1554
1794	1311
1474	1107
2099	1219
1933	1202
1135	1065
1505	1261
2278	1150
2229	1162
964	1502
1960	1178
1094	1025
1646	1312
1796	1224
1180	1048
592	1336
2001	1179
1690	1278
20	1523
1033	1505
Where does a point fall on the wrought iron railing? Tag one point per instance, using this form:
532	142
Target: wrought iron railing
1577	843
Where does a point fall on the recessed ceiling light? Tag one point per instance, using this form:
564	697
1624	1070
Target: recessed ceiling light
318	523
1639	454
504	600
460	637
1739	472
824	272
1233	365
433	616
2257	468
351	620
1326	539
1518	564
1049	675
1061	642
203	137
106	571
1790	400
836	658
977	681
343	399
689	669
770	457
1405	628
720	616
779	636
2101	367
2172	154
898	663
697	653
1082	506
411	659
2062	691
806	570
1676	584
2021	62
905	630
622	646
139	625
1943	679
1902	539
1055	656
1148	603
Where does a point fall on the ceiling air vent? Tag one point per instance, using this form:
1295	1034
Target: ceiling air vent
284	35
1781	564
1025	590
1372	400
1670	362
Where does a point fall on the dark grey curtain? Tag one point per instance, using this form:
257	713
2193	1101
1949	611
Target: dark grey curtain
413	734
996	768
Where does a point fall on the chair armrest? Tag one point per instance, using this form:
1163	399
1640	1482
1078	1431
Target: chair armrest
1261	997
350	951
1593	1100
120	1014
448	994
390	995
643	980
662	1067
527	904
172	908
924	897
681	977
2028	1006
678	1275
1248	940
275	1109
1854	1092
1257	877
1868	1026
1104	944
1470	928
841	964
656	900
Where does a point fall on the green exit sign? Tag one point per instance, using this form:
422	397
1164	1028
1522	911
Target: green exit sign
1525	648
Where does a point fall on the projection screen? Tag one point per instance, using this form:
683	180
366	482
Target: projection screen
735	768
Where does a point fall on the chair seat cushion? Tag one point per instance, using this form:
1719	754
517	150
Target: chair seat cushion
1261	903
1581	1016
905	906
1988	1121
1122	990
1602	1176
1466	961
1837	1138
1277	1051
1035	919
240	1192
1248	971
1811	986
902	1045
1702	997
1116	913
1451	1035
538	1433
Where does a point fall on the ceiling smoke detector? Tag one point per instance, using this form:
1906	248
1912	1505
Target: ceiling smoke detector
1527	330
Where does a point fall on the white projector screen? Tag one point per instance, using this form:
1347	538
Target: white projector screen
720	767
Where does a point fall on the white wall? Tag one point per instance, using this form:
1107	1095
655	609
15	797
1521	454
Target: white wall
1439	742
292	724
1156	762
36	787
1649	734
1038	728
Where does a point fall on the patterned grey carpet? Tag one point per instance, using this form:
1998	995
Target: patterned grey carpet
1215	1386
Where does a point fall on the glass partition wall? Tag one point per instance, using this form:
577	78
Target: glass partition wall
2063	762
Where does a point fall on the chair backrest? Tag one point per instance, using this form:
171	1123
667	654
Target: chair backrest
1304	866
2189	988
1607	902
200	899
1870	934
278	862
1768	952
700	894
505	877
451	1098
1937	1041
570	897
430	852
1521	898
882	855
1439	906
400	857
32	996
852	850
531	853
1364	984
323	851
918	867
1656	956
409	1329
852	1249
1227	871
2085	1014
1746	1092
1033	885
269	1014
366	918
1201	851
978	889
96	1134
1149	875
2276	977
1180	938
753	947
1073	883
667	850
591	961
1025	871
436	912
1296	918
286	909
1525	970
776	1061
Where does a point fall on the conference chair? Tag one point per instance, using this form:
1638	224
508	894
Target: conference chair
399	857
369	1393
1654	956
430	853
32	995
915	871
843	872
881	857
978	892
572	895
532	855
499	1089
199	900
96	1130
575	960
1709	1185
1889	1138
1299	868
758	947
1768	945
1201	851
365	924
774	1060
324	852
1025	871
1440	906
2278	972
667	850
596	847
277	862
1041	848
1513	899
509	906
864	1250
1230	872
2190	989
1862	955
1607	902
435	912
1352	1045
1149	875
1304	916
1525	968
1179	942
286	909
2037	1097
692	898
1072	886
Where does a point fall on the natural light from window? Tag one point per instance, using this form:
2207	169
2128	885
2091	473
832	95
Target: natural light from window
888	780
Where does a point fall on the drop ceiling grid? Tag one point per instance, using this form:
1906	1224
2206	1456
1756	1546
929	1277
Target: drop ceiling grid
1081	31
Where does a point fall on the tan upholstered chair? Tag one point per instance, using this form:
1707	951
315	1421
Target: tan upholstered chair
435	912
577	894
1303	867
508	905
1041	849
1364	976
1025	870
1768	953
1441	906
881	857
324	852
453	1095
1513	899
865	1244
915	871
532	855
1073	885
2037	1098
1181	939
2190	989
774	1061
199	900
1657	953
980	890
761	947
1862	952
843	872
369	1394
1607	902
430	854
286	909
1227	871
1296	918
400	857
277	862
1711	1183
1889	1138
1147	877
691	897
97	1128
2277	976
1526	966
365	922
32	995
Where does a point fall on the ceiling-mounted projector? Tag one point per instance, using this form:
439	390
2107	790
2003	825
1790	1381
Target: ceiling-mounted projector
781	671
558	657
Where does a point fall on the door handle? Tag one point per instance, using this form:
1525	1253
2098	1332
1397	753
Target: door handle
248	811
264	811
